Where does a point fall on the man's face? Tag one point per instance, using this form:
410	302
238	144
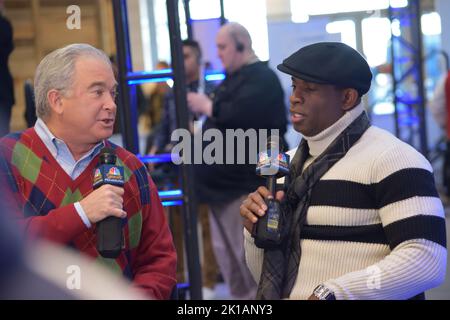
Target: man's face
226	49
314	107
191	65
88	108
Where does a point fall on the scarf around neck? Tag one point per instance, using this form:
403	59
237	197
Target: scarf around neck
280	265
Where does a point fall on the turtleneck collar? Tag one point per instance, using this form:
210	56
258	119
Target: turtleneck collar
318	143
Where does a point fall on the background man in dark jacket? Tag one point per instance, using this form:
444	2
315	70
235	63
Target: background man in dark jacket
166	174
250	97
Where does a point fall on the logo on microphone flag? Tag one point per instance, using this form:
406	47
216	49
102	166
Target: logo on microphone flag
263	159
114	174
97	176
114	171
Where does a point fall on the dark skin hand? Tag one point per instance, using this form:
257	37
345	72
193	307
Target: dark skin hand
254	206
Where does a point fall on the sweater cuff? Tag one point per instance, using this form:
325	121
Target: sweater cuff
248	237
254	256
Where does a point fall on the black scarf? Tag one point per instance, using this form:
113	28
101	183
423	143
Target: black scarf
280	265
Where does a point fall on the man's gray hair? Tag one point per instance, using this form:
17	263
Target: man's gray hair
239	33
56	71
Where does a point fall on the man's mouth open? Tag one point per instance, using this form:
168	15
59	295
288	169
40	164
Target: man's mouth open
296	117
108	121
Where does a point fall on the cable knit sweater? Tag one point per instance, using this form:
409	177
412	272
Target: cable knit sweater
375	228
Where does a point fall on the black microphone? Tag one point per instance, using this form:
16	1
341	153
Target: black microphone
109	230
272	164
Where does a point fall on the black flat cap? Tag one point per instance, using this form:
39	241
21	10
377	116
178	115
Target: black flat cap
329	63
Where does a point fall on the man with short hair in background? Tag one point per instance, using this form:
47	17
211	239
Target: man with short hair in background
250	98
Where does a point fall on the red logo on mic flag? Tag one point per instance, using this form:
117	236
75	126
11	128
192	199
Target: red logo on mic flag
97	176
114	171
114	174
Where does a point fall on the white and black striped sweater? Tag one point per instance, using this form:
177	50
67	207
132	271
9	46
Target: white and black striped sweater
375	228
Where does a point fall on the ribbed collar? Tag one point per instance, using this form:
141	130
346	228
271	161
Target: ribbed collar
318	143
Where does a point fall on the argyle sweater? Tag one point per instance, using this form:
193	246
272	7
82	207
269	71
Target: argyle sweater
46	195
375	227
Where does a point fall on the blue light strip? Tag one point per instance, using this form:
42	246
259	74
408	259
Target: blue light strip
170	193
183	285
159	158
162	75
172	203
144	73
153	76
215	77
163	79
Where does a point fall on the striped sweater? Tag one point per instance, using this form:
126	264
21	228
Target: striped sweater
47	195
375	228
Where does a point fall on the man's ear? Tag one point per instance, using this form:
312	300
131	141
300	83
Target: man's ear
350	99
54	99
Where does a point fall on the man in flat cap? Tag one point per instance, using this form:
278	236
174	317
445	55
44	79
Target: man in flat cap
363	215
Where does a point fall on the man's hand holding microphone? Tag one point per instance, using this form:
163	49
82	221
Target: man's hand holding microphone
255	207
264	217
104	206
104	202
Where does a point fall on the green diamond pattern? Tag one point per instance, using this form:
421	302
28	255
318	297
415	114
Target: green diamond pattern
71	197
28	164
134	229
126	171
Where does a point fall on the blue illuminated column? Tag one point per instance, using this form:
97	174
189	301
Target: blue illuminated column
408	76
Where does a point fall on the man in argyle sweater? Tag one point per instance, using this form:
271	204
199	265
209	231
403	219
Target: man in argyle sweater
50	169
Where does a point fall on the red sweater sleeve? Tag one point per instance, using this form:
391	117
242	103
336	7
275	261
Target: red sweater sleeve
60	225
155	265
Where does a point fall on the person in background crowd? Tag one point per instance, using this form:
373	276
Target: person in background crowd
250	97
440	109
6	81
162	144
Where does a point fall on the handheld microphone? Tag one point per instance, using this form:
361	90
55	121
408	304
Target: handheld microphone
109	230
272	164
